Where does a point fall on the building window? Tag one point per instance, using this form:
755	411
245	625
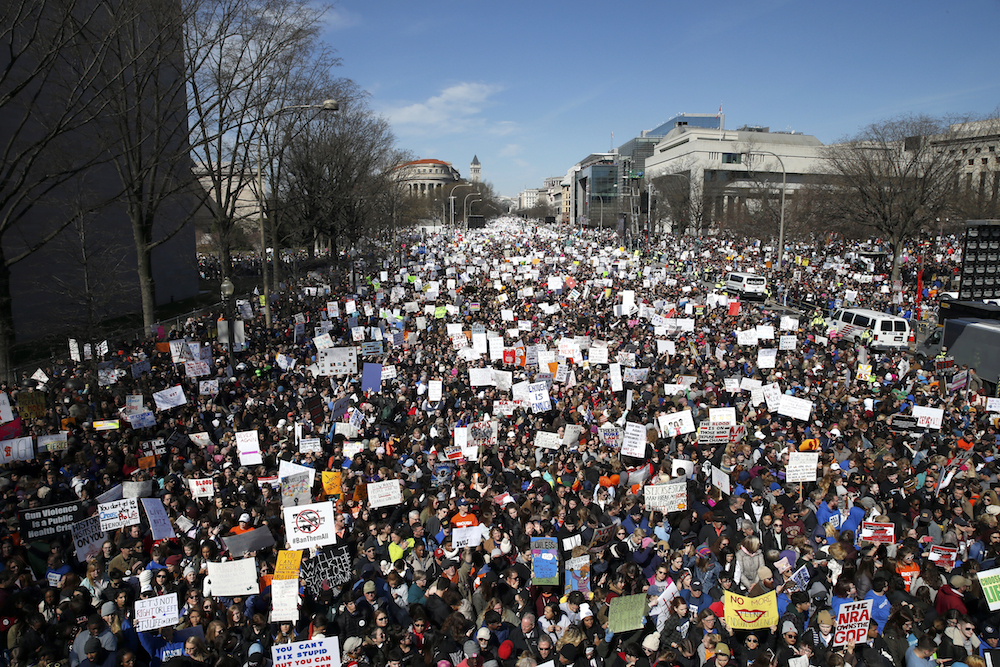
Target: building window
972	161
732	158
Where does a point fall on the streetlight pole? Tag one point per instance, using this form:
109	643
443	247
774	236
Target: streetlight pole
326	105
781	224
227	288
467	212
465	206
451	197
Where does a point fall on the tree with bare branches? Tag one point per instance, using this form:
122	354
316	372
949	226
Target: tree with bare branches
338	172
242	58
141	89
893	179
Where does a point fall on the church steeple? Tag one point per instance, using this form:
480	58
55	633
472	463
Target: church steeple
474	169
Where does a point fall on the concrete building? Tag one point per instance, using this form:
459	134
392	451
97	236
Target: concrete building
530	197
976	150
595	189
427	177
728	169
633	153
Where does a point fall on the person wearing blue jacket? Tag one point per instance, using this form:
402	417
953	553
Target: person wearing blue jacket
827	509
160	645
854	520
880	603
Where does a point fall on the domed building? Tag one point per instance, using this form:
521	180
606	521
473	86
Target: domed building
427	177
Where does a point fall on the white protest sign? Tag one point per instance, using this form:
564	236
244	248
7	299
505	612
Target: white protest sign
666	497
384	494
853	620
767	357
471	536
796	408
721	480
634	442
723	416
235	578
481	377
928	417
681	468
159	521
208	387
287	468
434	389
88	538
309	525
158	612
285	600
772	394
307	445
748	337
615	374
202	488
137	489
169	398
801	467
547	440
676	423
248	446
312	653
118	514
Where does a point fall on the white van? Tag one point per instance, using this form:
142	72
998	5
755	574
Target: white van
888	331
747	285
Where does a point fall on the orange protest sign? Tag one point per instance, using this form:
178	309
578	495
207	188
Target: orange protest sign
331	483
288	564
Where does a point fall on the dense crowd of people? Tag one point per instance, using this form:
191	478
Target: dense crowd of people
414	598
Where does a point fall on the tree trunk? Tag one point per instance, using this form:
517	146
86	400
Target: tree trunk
6	323
147	285
225	254
144	267
278	271
897	248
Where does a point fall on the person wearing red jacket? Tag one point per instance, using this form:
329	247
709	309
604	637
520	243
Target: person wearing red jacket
953	596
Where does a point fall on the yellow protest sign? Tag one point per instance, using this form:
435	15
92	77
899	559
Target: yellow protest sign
331	483
288	564
747	613
440	312
31	404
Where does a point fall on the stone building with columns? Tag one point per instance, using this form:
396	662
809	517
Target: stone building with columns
427	177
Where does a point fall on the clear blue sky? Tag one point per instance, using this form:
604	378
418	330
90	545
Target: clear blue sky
534	87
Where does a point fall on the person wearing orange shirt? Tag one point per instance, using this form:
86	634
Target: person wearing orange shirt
244	525
464	518
906	567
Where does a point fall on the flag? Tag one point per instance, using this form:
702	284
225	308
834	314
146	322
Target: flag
719	115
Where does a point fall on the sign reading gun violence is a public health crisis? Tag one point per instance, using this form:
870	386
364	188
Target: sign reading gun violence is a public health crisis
42	522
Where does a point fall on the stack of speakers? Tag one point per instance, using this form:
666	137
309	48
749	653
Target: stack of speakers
980	259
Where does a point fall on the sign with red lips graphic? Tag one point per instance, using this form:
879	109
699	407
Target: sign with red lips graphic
747	613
